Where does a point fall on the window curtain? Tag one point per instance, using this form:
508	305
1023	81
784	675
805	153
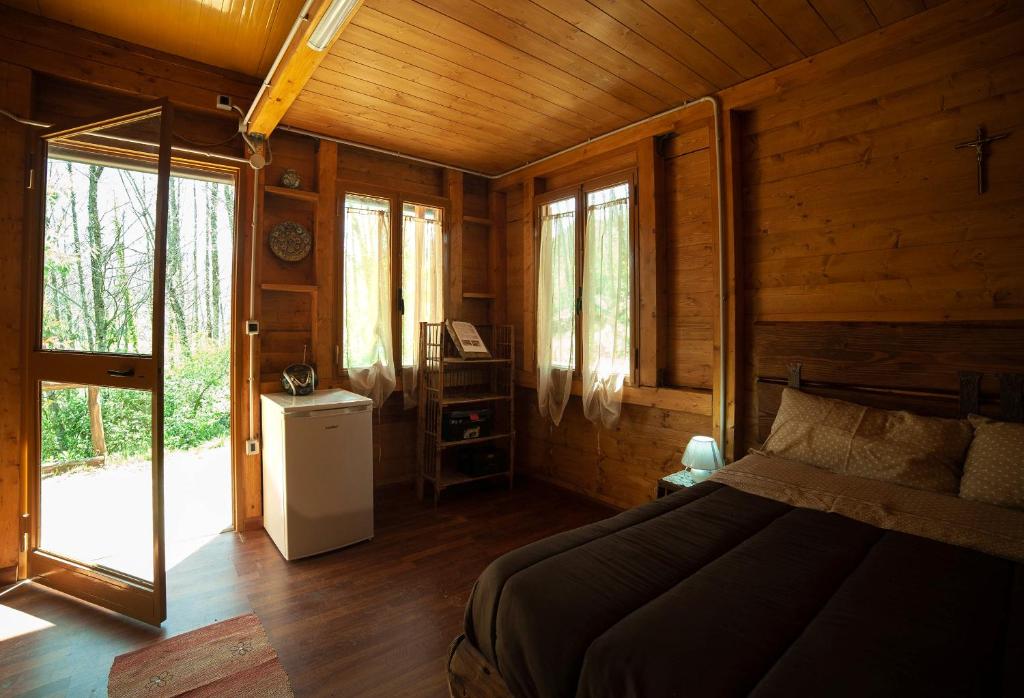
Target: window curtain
367	298
556	307
607	327
422	291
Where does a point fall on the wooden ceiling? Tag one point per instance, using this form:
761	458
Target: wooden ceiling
489	85
240	35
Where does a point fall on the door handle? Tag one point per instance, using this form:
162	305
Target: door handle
121	373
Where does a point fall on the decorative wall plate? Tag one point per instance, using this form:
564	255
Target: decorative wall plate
291	179
290	242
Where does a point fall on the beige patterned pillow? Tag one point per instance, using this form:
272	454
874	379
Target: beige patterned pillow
994	471
925	453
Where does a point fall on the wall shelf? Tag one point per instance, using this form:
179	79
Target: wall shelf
458	361
311	197
478	295
477	219
473	399
289	288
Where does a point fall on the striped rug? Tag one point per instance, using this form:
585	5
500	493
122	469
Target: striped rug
230	658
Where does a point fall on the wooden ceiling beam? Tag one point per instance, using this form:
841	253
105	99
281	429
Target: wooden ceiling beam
293	71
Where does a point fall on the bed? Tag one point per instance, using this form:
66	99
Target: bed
774	578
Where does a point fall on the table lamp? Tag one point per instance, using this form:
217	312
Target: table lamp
702	458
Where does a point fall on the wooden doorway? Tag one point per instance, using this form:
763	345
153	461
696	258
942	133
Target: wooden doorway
106	344
115	327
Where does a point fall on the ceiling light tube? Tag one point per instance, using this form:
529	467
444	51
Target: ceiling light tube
336	15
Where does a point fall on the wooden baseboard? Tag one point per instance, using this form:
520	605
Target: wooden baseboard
252	523
527	475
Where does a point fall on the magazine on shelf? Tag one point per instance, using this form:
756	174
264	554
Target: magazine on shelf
467	340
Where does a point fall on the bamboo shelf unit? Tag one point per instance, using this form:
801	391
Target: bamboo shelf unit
448	382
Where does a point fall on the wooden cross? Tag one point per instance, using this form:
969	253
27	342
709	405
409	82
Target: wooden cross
979	144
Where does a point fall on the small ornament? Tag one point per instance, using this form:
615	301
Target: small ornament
290	242
291	179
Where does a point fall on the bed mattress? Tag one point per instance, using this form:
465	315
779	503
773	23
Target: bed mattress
772	590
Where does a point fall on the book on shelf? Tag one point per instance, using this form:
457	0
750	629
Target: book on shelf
467	340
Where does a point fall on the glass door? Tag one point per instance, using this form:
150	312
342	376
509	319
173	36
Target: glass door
95	370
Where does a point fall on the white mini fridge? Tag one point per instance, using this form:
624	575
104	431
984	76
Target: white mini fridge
317	471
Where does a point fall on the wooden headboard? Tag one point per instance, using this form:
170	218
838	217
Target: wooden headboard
927	368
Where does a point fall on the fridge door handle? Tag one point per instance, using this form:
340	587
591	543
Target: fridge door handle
332	412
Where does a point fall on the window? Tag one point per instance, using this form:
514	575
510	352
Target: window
557	284
367	282
585	297
422	292
607	283
370	352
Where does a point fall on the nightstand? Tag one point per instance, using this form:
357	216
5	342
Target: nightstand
675	481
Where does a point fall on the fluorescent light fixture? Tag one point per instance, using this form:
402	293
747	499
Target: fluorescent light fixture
327	28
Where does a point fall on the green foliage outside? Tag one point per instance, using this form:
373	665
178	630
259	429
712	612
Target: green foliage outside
196	412
98	295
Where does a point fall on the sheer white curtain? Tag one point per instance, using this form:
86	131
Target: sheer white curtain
607	326
367	297
422	291
556	307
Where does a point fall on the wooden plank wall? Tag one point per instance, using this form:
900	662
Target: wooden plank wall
53	48
292	318
848	202
621	466
856	205
16	97
689	262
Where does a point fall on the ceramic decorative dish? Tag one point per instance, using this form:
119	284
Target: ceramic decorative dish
290	241
291	179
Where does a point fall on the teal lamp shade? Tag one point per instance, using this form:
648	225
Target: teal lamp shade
702	457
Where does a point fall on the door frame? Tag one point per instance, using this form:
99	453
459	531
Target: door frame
32	310
111	589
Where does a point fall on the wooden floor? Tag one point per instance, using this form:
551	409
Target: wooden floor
373	620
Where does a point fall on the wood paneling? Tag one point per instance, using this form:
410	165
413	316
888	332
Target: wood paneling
689	259
16	97
619	466
240	36
356	166
490	86
300	302
914	366
845	199
677	300
856	206
454	283
63	51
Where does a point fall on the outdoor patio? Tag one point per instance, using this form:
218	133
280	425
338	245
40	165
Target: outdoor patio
103	515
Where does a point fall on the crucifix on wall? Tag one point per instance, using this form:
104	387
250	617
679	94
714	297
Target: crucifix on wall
979	143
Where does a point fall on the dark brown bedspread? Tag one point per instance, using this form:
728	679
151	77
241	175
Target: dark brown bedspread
715	592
